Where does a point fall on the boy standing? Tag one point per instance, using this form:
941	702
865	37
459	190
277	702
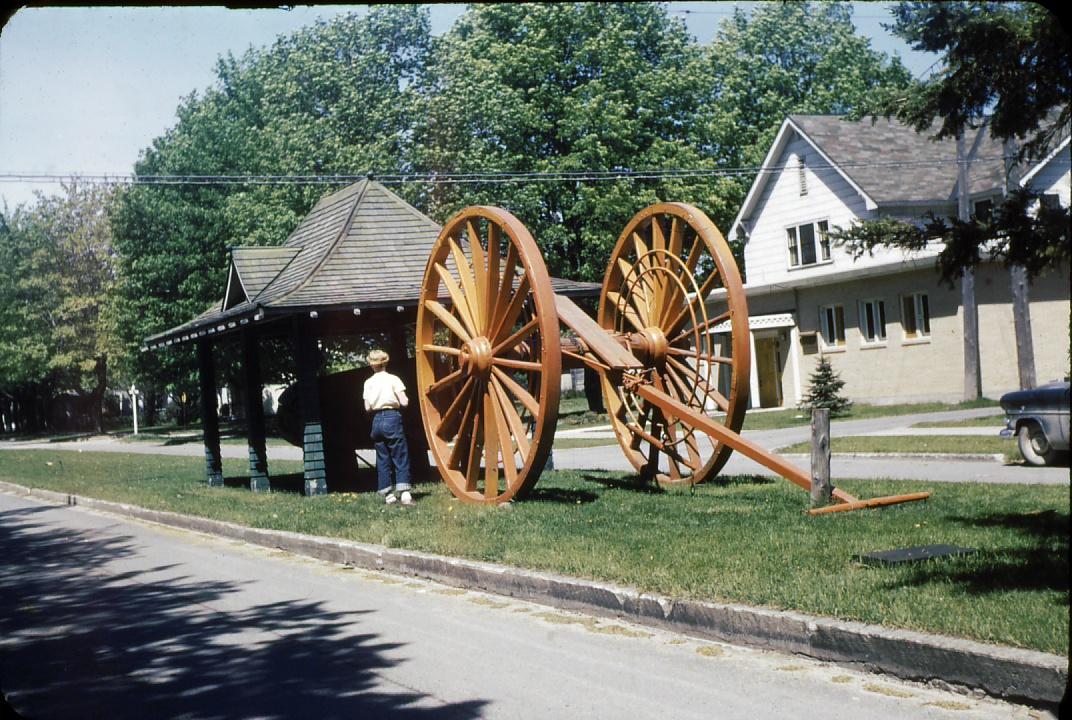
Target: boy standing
384	395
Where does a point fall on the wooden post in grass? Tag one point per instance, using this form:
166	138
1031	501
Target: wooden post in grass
309	361
820	457
210	421
255	429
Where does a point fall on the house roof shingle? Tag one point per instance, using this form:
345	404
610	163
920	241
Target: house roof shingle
894	164
359	246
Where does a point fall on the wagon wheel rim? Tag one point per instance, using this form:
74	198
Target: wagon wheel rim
667	263
488	356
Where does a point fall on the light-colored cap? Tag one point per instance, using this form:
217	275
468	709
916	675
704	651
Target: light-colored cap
378	357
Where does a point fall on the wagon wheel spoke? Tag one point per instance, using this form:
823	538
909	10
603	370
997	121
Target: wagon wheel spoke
465	271
446	381
676	388
660	282
491	449
511	342
513	418
517	391
651	467
505	291
719	399
524	365
505	323
632	314
448	319
493	276
635	272
682	315
452	420
458	455
445	349
472	469
506	438
458	300
671	291
702	327
480	275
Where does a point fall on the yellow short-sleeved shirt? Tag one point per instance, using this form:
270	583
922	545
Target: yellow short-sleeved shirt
384	390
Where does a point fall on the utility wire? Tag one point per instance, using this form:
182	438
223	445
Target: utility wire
455	178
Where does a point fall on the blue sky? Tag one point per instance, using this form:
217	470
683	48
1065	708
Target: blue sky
83	90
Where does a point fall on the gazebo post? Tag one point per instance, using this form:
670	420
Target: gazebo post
258	452
308	356
210	419
398	350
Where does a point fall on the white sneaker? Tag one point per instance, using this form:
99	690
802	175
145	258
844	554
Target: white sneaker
407	499
390	499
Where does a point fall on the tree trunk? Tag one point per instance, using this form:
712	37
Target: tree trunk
972	373
100	372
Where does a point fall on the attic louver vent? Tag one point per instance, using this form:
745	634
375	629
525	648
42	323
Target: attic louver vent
802	175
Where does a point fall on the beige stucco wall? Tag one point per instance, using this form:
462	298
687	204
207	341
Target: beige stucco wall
905	370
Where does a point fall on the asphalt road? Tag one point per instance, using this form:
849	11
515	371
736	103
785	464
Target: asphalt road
104	617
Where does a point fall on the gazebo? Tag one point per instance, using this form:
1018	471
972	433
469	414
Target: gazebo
352	266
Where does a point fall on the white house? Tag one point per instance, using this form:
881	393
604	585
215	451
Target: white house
887	325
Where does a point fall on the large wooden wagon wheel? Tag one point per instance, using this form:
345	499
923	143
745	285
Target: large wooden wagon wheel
667	262
488	356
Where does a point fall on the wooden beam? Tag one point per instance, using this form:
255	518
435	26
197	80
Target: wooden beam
210	419
596	339
308	356
255	431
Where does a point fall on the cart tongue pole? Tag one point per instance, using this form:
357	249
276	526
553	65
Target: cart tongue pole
718	432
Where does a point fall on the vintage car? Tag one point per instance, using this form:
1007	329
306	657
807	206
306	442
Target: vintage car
1039	419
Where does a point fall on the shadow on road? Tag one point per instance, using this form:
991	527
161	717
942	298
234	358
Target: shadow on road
81	640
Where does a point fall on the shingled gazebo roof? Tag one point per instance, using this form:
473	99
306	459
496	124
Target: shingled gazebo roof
360	247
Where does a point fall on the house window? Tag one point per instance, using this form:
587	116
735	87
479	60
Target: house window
984	210
808	244
832	319
873	321
915	316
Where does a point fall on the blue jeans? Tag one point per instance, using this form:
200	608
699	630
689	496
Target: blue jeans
392	454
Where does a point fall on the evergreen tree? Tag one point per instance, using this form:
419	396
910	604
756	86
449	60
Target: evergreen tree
825	391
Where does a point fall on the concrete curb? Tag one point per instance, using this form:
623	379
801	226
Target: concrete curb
1026	676
962	457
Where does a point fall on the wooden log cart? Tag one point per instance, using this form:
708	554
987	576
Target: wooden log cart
490	352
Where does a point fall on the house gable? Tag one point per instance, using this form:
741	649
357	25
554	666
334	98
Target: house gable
1051	175
824	172
792	196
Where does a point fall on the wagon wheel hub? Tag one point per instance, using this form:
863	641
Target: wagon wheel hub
652	346
476	356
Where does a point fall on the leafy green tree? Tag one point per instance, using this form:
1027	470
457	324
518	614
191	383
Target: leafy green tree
56	328
569	87
1005	64
786	58
334	98
1008	60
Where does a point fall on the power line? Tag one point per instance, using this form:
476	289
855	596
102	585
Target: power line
450	178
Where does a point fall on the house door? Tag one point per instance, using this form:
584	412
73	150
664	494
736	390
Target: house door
769	370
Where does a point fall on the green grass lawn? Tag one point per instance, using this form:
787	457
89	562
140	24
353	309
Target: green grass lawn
777	419
746	541
952	444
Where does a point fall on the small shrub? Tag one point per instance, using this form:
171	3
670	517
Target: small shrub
825	391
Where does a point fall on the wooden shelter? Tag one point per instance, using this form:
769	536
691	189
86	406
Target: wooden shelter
354	265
